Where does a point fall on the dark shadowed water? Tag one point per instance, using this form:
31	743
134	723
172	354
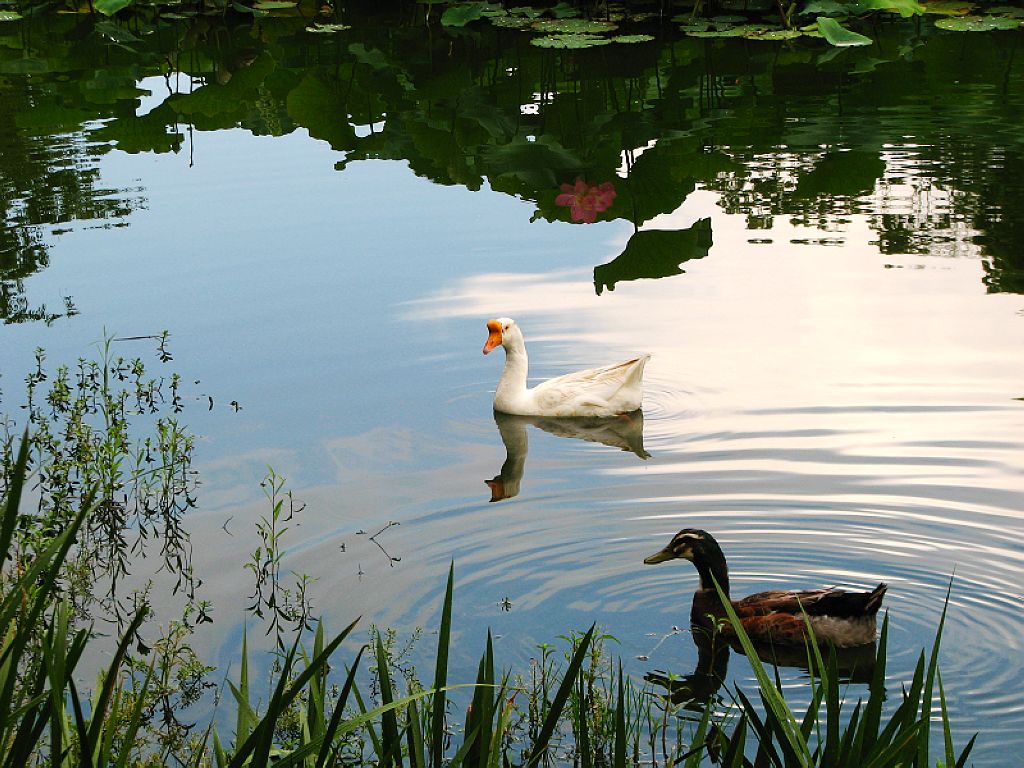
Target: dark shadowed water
821	250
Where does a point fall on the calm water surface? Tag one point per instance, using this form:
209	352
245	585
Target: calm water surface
835	320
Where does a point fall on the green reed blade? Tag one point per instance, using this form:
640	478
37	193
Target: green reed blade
338	713
619	748
389	722
439	703
551	720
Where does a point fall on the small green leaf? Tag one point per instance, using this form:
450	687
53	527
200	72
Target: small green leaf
829	8
110	7
273	5
511	22
573	26
9	15
569	41
632	38
525	10
774	34
839	35
461	15
977	23
948	7
325	28
905	8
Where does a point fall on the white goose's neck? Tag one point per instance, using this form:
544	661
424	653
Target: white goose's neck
512	384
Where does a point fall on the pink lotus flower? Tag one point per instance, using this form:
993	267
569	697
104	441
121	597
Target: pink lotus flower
586	200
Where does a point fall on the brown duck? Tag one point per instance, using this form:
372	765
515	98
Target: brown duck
839	617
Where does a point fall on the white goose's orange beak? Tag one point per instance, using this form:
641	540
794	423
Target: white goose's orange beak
494	339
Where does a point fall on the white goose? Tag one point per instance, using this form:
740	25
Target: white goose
609	391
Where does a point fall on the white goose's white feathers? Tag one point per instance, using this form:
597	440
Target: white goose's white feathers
607	391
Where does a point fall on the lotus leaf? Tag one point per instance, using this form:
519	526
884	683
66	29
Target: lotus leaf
839	35
977	23
569	41
728	19
774	34
110	7
697	26
905	8
461	15
527	11
325	28
573	26
948	7
9	15
1007	10
511	22
829	8
273	5
744	30
632	38
564	11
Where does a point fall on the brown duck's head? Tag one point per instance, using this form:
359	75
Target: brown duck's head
701	549
690	544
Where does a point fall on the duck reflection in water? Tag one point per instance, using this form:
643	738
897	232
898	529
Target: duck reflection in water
625	432
694	690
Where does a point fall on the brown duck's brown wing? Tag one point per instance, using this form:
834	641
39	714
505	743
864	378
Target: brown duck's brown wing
785	628
815	602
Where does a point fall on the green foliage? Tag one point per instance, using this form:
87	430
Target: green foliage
839	35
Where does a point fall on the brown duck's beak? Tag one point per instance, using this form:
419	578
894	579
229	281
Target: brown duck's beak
494	339
660	557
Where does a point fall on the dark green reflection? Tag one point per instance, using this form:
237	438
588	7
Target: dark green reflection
801	130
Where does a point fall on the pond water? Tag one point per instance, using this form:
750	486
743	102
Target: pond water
821	250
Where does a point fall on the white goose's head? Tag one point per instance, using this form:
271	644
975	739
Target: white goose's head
503	331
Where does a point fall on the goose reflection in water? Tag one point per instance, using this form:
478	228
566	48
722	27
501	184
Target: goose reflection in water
625	432
695	690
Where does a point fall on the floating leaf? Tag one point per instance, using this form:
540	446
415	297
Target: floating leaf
1007	10
273	5
461	15
527	11
9	15
830	8
326	28
632	38
728	19
110	7
948	7
564	11
744	30
839	35
905	8
569	41
511	22
977	23
696	26
573	26
774	34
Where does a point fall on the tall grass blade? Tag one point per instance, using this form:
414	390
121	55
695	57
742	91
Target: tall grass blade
390	740
557	704
338	713
619	744
439	703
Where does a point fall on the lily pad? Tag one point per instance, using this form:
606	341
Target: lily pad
696	26
977	23
273	5
728	19
9	15
774	34
632	38
327	28
905	8
527	11
569	41
744	30
839	35
829	8
511	22
461	15
948	7
1007	10
573	26
564	11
